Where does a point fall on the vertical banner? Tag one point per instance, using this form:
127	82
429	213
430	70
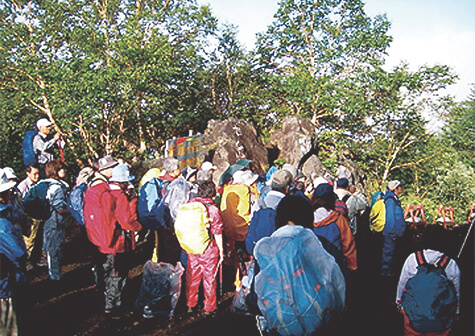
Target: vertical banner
187	150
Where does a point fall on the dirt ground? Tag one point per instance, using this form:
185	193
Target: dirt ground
74	307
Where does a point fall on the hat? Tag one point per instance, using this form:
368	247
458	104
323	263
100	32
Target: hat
107	162
188	172
282	178
84	175
121	174
10	173
248	177
319	180
324	190
342	182
392	185
43	122
5	183
206	166
291	169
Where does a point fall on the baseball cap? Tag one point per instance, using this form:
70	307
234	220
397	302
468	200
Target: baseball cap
43	122
342	182
324	190
282	178
392	185
206	166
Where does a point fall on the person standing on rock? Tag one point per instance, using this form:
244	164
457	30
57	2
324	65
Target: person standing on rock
44	144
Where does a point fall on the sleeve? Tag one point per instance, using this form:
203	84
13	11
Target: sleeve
408	271
40	146
126	213
12	245
348	246
216	220
453	274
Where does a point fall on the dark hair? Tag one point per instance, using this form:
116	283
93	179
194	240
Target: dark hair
52	168
31	166
206	189
294	209
435	237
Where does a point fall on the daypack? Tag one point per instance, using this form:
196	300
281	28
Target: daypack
430	299
262	225
29	155
376	197
149	199
299	286
100	226
330	232
377	217
236	211
191	227
76	202
35	201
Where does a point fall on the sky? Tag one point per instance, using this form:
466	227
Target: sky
425	32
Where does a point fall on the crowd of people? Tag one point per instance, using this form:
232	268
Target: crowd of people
283	222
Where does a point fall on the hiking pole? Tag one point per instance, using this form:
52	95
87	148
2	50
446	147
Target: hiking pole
465	240
221	280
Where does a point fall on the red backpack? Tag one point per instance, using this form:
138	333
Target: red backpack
99	218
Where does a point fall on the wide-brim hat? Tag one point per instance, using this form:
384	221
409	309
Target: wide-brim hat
10	173
107	162
121	174
5	183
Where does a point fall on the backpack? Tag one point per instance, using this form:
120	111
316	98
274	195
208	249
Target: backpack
299	286
149	199
29	155
430	299
76	202
191	227
35	201
236	211
376	197
377	217
262	225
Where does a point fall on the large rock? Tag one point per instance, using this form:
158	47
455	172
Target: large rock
294	141
227	141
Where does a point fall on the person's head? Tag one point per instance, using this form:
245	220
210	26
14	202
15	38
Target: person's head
52	169
208	167
189	174
396	187
291	169
33	172
207	189
281	181
435	237
10	173
63	171
172	167
294	210
44	126
106	164
121	176
343	183
6	187
202	175
323	196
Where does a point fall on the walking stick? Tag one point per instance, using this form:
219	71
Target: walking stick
221	280
465	240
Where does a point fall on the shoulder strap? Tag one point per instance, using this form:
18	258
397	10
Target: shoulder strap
443	261
262	203
421	260
345	198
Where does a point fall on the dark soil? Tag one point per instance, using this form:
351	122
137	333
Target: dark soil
75	307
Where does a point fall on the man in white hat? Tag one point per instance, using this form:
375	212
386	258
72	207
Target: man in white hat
44	144
12	258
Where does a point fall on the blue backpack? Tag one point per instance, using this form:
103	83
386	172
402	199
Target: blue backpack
262	225
330	232
29	156
76	202
149	200
35	202
430	299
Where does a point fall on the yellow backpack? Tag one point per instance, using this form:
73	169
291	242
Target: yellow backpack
191	227
377	217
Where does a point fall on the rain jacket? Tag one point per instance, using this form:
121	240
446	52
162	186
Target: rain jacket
13	247
343	239
53	231
395	224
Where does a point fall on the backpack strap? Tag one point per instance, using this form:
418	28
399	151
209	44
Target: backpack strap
421	260
262	203
442	262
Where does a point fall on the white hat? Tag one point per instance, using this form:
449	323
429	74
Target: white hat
392	185
10	173
207	166
237	177
291	169
5	183
121	174
319	180
43	122
248	177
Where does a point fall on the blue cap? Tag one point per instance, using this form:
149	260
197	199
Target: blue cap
342	182
324	190
121	174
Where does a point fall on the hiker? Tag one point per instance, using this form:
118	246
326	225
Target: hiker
429	302
17	214
331	225
394	226
53	230
44	144
299	286
208	167
263	222
103	170
355	201
190	175
111	224
12	261
204	251
33	235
